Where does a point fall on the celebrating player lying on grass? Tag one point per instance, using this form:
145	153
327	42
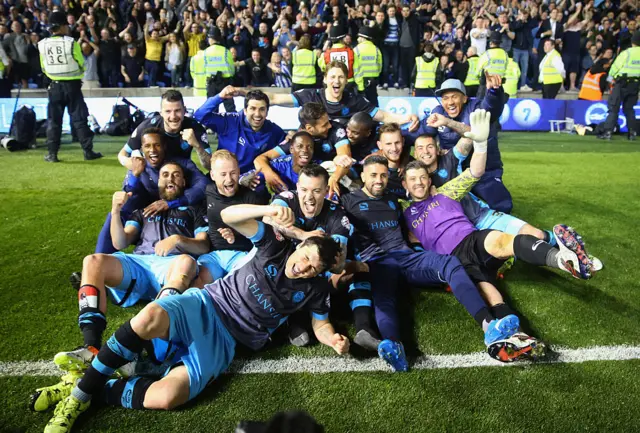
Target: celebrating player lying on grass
438	222
314	215
204	325
160	258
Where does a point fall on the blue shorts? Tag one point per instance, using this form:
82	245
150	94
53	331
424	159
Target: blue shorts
142	278
205	346
495	220
220	263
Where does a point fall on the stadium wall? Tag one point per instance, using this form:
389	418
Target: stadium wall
518	115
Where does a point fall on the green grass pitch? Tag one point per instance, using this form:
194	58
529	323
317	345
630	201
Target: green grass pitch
51	215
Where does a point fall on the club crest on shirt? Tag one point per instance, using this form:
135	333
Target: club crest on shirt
326	148
204	138
392	205
297	297
443	173
345	111
442	128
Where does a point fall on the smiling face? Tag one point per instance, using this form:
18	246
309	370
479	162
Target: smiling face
321	128
302	150
417	182
335	80
375	178
153	149
453	102
173	115
391	145
357	133
256	113
304	262
225	173
171	182
426	151
311	193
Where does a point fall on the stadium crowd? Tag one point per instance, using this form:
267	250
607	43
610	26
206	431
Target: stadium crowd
421	43
350	209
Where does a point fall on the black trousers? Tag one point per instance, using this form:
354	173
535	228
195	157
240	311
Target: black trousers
67	94
215	86
371	90
550	91
407	62
625	93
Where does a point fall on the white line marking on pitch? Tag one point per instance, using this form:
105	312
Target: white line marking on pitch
318	365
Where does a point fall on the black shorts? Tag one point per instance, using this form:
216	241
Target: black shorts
479	264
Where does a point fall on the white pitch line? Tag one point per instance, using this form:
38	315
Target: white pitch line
321	365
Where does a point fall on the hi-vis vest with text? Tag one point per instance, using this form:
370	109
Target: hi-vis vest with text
473	75
367	62
199	74
627	63
58	60
304	67
590	89
426	73
340	53
494	61
216	59
550	75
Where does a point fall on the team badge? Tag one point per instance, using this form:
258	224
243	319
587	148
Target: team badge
298	297
345	111
326	148
392	205
443	173
242	141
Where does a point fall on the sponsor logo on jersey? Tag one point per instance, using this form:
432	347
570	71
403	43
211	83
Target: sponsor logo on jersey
392	205
242	141
364	206
263	300
271	271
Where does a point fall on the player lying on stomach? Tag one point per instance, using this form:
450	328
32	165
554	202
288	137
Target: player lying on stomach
204	326
437	220
165	244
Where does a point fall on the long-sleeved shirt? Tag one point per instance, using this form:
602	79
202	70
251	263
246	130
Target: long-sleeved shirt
492	102
556	62
236	135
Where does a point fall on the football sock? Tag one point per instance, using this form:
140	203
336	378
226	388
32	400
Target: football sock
550	238
534	251
483	317
91	320
502	310
128	393
121	348
360	301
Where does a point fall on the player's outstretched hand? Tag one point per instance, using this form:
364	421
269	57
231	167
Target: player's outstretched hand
251	180
119	200
166	245
227	235
340	343
436	120
414	123
480	124
494	81
344	161
282	216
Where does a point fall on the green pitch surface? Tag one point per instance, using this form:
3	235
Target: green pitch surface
51	215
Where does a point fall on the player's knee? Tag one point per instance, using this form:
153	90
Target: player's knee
528	229
93	261
151	322
186	264
169	400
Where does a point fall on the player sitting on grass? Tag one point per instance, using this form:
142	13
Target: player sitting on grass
437	220
160	258
316	216
205	325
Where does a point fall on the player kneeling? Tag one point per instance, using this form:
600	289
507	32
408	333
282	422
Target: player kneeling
205	325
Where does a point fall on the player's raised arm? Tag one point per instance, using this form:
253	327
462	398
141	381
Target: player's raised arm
244	217
282	99
400	119
480	123
122	236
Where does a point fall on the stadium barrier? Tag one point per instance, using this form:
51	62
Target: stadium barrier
518	115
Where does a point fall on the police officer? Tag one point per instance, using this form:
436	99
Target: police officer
62	62
367	64
303	74
626	73
197	70
472	80
338	51
426	69
219	68
493	61
512	78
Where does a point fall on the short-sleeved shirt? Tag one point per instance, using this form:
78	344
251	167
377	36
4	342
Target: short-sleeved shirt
332	219
132	66
216	203
185	221
377	223
154	50
175	145
258	297
350	104
324	149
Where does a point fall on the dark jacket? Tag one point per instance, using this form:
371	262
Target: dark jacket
546	26
522	29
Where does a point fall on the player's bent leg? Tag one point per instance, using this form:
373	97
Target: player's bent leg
499	244
151	322
204	277
181	272
169	392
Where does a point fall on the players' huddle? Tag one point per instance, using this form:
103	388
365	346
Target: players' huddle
282	222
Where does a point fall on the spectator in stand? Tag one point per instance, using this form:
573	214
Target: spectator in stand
280	72
502	27
193	35
551	28
256	70
239	40
34	59
571	42
390	52
132	68
479	35
589	59
410	31
605	34
284	36
262	40
108	60
153	54
522	44
91	53
174	58
16	44
461	42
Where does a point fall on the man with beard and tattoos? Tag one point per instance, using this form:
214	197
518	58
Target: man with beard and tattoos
166	244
